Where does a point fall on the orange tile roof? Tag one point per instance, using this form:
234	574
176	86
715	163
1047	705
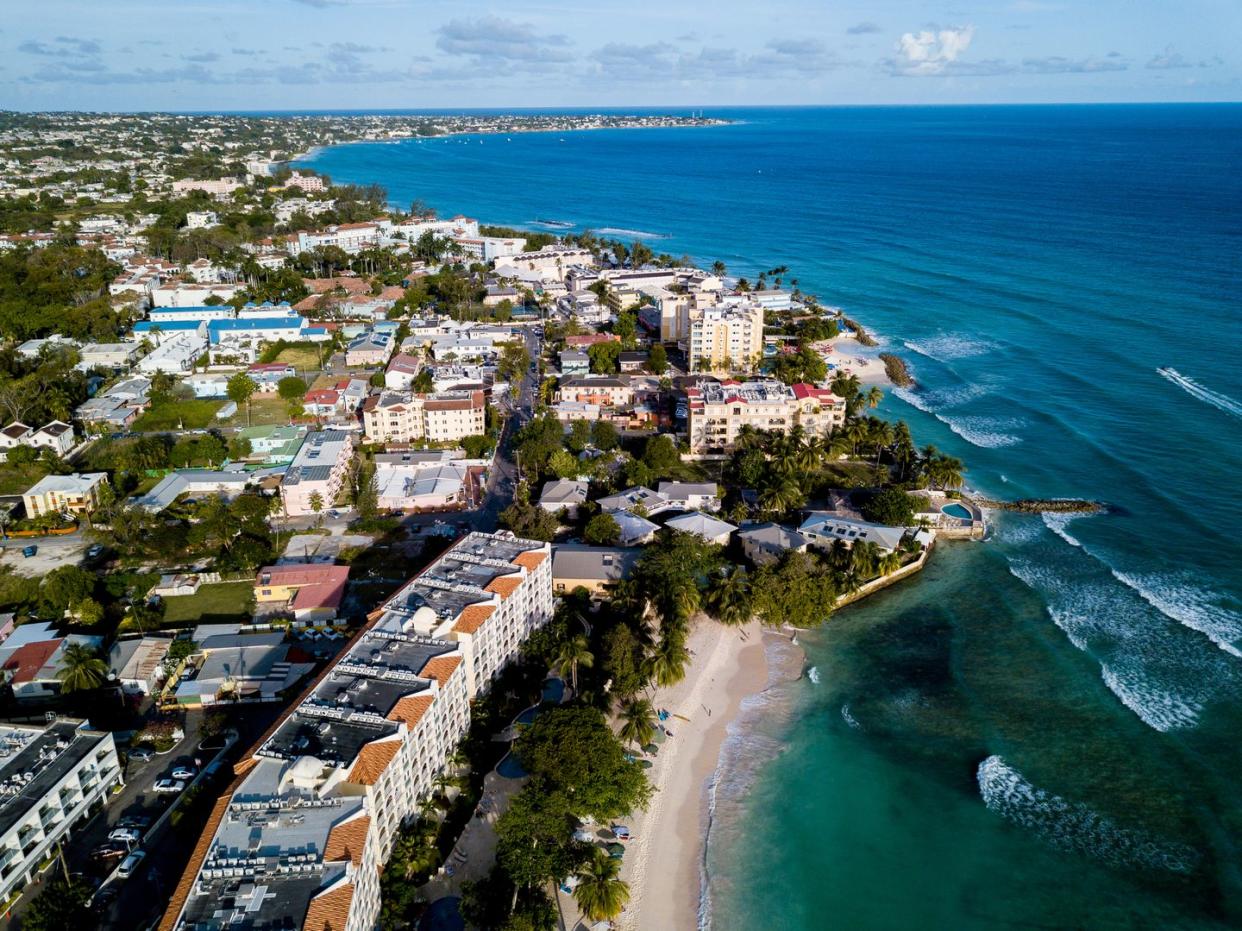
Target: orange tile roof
441	668
410	709
530	560
473	617
330	911
505	586
372	760
346	840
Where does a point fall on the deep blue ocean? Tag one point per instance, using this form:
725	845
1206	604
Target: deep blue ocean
1044	729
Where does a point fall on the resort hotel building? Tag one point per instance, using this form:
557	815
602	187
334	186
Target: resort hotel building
51	780
717	411
298	841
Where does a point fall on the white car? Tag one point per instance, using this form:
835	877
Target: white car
168	786
184	772
129	864
126	835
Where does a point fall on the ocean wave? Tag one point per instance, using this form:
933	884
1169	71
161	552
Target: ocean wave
553	224
1138	661
633	234
955	397
1219	401
1057	522
1189	605
949	347
812	673
984	432
1076	827
849	718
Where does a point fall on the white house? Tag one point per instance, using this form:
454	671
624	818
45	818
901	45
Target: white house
691	496
822	530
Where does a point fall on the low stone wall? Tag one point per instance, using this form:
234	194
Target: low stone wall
886	580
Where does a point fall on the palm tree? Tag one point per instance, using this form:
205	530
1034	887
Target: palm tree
854	433
748	437
574	653
782	496
719	268
889	563
81	669
879	435
943	470
667	665
873	397
638	722
845	385
728	600
600	894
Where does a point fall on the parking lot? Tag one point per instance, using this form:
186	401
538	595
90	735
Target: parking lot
52	552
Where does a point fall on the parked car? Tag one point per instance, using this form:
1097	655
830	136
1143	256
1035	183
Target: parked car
130	863
109	851
125	835
30	550
184	772
94	552
168	786
134	821
141	754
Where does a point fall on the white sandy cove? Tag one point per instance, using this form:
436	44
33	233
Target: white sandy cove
664	861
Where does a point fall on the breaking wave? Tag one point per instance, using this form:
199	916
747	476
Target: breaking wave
633	234
950	346
813	674
1188	605
1219	401
1076	827
850	719
984	432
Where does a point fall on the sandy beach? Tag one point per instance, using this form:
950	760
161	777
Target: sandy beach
664	862
858	360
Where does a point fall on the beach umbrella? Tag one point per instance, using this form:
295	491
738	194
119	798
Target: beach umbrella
616	851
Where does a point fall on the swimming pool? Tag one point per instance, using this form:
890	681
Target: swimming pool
553	691
527	716
957	510
510	767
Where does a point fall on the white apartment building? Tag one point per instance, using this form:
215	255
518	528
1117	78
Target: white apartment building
299	839
401	417
51	781
176	352
549	262
351	237
217	187
191	294
717	411
606	390
726	338
318	468
201	219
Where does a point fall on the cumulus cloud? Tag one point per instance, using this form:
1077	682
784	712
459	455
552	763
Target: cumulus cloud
1170	58
863	29
492	37
931	52
662	61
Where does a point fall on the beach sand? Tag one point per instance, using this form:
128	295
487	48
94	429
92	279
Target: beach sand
858	360
664	862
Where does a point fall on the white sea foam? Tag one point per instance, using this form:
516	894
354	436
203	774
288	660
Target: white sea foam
849	718
955	397
1138	661
985	432
950	346
633	234
813	674
1073	826
1188	604
1219	401
1057	522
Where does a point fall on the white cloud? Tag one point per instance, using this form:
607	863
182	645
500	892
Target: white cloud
491	37
862	29
1170	58
1057	64
930	53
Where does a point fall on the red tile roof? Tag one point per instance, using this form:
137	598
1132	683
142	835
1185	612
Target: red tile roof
441	668
472	618
26	661
330	910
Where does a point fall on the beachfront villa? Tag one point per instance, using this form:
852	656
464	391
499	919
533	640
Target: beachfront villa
717	411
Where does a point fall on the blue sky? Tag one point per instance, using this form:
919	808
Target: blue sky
319	54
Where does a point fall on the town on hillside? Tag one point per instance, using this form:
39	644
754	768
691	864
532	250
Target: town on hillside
335	537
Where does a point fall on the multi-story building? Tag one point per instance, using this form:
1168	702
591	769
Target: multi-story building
549	262
726	338
56	436
56	494
402	417
52	779
318	469
610	390
300	837
717	411
309	183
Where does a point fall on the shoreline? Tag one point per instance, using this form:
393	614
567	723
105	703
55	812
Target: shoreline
314	150
667	871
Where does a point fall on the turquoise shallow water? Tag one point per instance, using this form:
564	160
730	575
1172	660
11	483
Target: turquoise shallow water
1043	729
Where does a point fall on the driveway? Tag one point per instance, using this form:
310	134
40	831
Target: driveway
53	553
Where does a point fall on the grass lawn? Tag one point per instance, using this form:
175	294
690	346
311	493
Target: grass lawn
300	357
15	479
188	414
263	410
212	604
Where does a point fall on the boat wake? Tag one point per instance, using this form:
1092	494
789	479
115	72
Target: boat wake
1219	401
1076	827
